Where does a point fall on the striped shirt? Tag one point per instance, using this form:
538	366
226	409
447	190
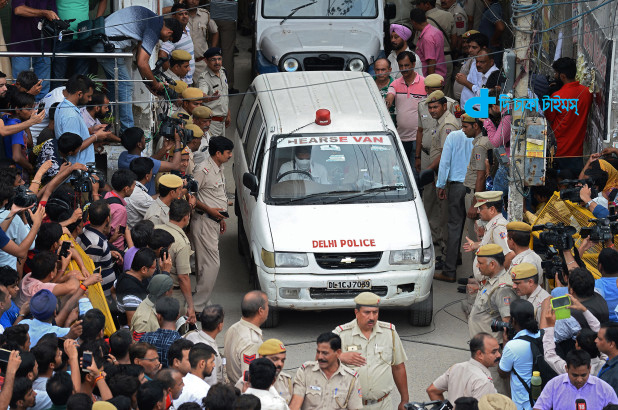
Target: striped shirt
185	43
94	243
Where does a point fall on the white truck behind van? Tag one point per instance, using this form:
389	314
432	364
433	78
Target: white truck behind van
318	35
326	201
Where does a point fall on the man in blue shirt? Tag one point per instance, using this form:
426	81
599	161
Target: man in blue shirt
516	361
15	144
607	284
9	278
452	172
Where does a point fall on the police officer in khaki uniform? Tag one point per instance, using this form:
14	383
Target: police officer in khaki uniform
203	31
202	117
275	351
209	223
326	383
374	350
192	147
493	301
525	277
191	98
243	338
489	205
475	174
213	82
180	252
461	21
179	65
169	189
518	239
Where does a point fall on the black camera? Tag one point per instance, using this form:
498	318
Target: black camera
56	28
191	184
574	187
24	197
170	126
552	265
603	229
499	325
560	236
82	180
157	71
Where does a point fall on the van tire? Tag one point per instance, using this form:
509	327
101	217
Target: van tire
273	318
240	242
421	313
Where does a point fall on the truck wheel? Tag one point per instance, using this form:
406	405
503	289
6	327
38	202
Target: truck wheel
273	318
421	313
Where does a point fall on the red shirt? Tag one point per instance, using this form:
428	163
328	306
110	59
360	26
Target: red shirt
570	127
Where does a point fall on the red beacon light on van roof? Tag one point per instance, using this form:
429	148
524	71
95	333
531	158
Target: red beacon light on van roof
322	117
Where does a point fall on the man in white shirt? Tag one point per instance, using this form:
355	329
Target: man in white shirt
202	361
140	201
477	78
302	168
399	42
262	374
212	325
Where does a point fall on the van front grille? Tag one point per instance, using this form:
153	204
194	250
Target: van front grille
354	260
323	64
324	293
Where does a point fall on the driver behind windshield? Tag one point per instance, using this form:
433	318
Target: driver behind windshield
302	168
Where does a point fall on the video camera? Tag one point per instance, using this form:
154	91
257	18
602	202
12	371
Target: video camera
574	187
603	230
82	180
191	184
157	71
552	265
499	326
56	28
560	236
170	126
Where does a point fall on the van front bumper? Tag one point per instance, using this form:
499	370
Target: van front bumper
306	291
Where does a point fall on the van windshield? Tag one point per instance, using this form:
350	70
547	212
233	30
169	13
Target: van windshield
295	9
351	168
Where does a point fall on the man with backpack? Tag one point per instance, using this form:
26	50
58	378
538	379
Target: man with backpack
523	354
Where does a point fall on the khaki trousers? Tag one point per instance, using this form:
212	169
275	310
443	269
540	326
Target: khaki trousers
227	36
205	239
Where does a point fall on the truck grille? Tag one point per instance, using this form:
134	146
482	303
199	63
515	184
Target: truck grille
324	293
323	64
360	260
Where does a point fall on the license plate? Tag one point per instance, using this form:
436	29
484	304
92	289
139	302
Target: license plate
349	284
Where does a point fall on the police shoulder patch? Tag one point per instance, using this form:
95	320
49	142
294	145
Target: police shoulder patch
506	300
502	235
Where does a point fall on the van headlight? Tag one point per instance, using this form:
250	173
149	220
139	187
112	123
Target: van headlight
356	64
290	65
411	256
284	259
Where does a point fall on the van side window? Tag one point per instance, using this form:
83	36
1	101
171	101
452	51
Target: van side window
258	157
253	134
244	111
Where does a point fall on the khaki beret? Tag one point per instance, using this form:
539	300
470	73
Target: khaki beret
180	86
434	80
490	250
197	131
487	196
170	181
103	405
435	96
469	33
496	401
524	270
202	112
367	299
192	93
185	151
181	55
518	226
271	346
468	119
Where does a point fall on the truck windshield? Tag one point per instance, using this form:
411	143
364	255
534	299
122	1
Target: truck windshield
302	9
354	168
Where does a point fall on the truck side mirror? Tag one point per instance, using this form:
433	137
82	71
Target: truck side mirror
390	11
426	177
250	181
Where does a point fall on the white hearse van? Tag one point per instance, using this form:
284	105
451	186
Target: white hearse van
327	204
318	35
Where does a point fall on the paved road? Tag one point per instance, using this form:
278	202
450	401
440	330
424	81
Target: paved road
430	350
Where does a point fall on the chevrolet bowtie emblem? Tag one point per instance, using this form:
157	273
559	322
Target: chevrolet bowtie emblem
348	260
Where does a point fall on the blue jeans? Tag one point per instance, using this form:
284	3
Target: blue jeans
501	183
125	88
62	67
41	67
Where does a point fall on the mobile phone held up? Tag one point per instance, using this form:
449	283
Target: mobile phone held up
64	249
86	360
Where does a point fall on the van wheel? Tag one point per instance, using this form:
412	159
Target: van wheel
421	313
273	318
240	243
236	206
254	281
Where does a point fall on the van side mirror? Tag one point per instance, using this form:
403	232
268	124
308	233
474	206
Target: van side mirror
250	181
390	11
425	177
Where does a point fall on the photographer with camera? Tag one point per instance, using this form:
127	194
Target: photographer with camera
526	285
134	140
518	354
14	146
607	284
27	15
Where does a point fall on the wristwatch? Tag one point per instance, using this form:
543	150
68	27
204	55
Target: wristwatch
588	203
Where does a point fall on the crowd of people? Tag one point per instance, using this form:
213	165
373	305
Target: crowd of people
68	235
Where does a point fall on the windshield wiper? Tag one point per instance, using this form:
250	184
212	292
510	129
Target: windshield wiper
294	10
383	188
317	194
